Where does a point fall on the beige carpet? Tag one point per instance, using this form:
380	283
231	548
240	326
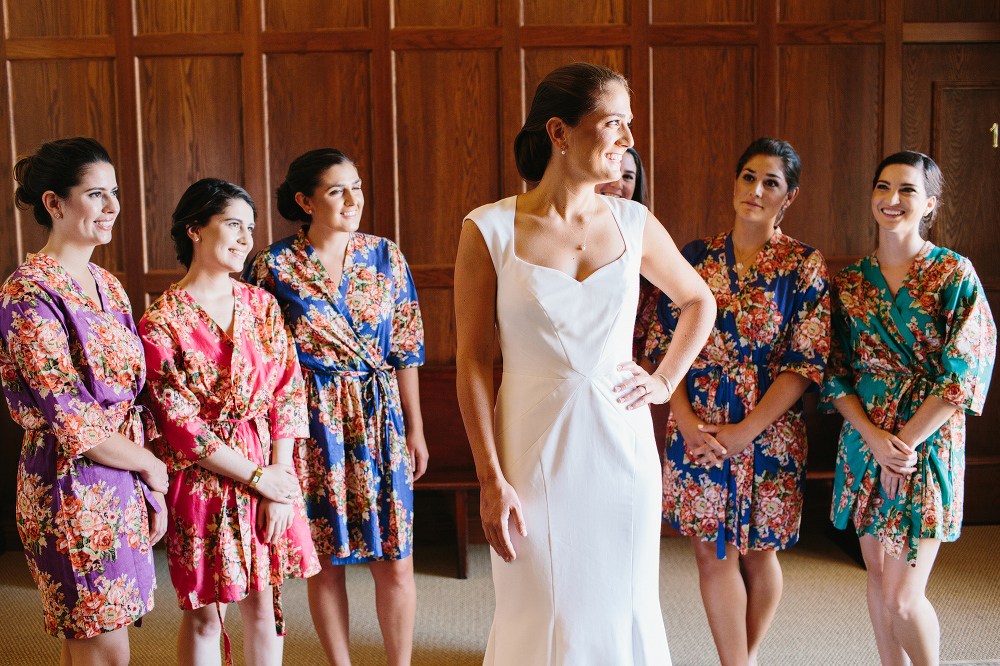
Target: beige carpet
822	618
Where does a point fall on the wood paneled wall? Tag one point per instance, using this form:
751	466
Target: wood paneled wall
428	95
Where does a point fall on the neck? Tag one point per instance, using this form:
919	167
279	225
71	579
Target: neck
560	196
328	241
206	282
752	235
896	248
72	257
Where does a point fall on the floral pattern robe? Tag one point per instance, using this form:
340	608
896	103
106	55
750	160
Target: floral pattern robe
208	390
355	470
71	370
936	337
776	319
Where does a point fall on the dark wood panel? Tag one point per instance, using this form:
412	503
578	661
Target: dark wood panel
831	32
152	16
709	11
982	492
445	168
539	62
40	48
829	111
190	128
347	39
963	148
437	308
51	18
574	35
699	133
434	39
445	13
702	34
560	12
931	33
309	15
54	99
178	44
951	10
830	10
337	117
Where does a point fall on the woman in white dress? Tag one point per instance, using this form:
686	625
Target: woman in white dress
568	465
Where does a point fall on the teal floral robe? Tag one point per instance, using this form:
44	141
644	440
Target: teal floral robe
937	337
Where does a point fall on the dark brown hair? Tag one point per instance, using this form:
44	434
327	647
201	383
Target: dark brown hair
933	181
568	93
57	166
199	203
303	176
791	164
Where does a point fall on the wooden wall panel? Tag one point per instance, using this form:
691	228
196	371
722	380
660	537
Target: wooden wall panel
564	12
464	13
711	11
699	133
153	16
830	10
191	128
314	15
59	18
54	99
446	168
437	307
951	10
829	111
539	62
337	117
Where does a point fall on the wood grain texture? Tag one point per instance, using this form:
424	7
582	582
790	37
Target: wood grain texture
963	147
539	62
190	128
319	101
55	48
154	16
433	39
708	11
570	35
557	12
437	308
59	18
465	13
55	99
830	10
311	15
703	34
178	44
831	32
448	159
943	33
699	133
829	111
951	10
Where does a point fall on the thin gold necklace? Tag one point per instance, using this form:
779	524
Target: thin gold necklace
739	262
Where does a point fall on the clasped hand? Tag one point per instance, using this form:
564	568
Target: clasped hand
897	459
710	445
278	483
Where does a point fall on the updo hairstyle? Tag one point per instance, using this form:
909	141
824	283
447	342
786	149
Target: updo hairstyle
303	176
57	166
933	181
568	93
791	164
199	203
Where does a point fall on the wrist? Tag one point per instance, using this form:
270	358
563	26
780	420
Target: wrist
255	477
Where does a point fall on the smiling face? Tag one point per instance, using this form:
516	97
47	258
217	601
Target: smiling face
88	213
225	241
624	187
761	191
596	145
337	201
899	200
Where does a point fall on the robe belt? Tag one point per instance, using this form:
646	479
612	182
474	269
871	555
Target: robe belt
735	413
376	387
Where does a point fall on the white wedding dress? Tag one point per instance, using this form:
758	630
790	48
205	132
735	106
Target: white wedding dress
584	587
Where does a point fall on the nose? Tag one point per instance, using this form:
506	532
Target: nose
628	135
350	196
894	198
758	188
111	204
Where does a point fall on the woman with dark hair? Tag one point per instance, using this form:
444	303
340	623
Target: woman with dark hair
351	304
567	462
72	367
736	442
225	387
913	351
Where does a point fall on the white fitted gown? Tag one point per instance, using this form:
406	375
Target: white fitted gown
584	588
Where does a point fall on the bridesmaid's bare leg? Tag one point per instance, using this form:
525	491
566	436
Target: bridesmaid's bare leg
889	650
65	658
329	609
198	638
262	646
110	649
764	585
725	597
396	604
914	623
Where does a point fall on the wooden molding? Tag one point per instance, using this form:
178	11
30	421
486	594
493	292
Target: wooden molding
831	32
575	35
182	44
935	33
45	48
686	34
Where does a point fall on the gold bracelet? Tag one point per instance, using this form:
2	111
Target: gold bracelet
259	472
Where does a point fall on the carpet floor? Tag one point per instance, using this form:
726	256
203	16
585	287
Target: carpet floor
822	619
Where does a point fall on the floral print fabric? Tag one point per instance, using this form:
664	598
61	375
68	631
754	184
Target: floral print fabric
776	319
354	469
71	370
936	337
209	390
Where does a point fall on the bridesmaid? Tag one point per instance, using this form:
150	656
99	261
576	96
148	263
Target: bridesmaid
352	306
913	350
72	366
226	390
736	441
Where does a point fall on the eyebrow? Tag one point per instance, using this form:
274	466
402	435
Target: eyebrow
344	184
771	175
882	180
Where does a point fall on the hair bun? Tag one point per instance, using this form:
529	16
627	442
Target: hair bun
288	207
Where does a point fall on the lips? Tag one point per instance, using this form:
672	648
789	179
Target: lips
892	213
614	157
105	225
751	203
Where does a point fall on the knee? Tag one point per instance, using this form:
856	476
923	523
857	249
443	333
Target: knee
396	575
706	556
901	604
204	622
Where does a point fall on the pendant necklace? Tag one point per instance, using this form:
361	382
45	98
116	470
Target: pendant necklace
586	231
739	262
